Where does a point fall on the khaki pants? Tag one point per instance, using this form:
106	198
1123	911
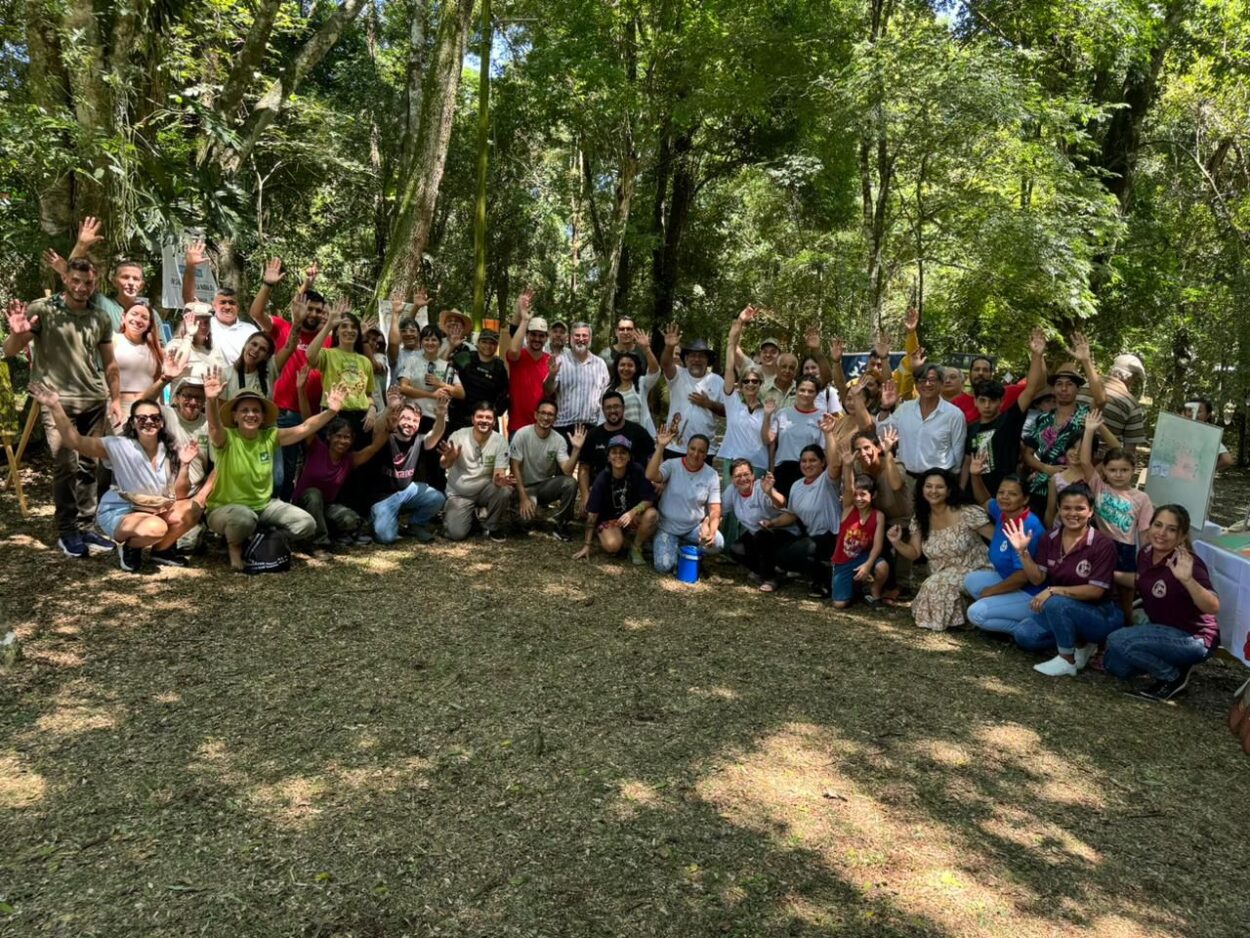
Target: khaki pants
458	511
237	523
74	476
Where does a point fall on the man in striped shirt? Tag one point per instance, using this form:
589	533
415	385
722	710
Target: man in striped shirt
577	380
1122	414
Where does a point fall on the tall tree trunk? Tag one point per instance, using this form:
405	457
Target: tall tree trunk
423	174
483	168
610	278
674	209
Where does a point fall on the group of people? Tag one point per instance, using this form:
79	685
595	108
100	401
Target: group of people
1018	499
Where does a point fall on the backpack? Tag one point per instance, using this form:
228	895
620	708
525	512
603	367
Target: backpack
267	552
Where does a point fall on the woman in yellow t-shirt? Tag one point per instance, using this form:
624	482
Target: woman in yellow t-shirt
345	365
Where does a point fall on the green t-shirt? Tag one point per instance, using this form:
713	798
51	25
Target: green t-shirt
351	370
67	351
244	470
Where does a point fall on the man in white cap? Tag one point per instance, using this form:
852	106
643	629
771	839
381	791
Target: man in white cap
1123	415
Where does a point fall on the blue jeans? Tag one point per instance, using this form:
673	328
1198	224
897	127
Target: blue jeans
1158	650
1073	622
287	468
1003	612
418	499
664	548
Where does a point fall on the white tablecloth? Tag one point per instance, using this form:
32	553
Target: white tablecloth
1230	575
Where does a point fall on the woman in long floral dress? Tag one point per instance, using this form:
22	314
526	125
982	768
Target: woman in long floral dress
953	538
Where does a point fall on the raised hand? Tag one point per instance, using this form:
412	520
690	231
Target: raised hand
55	261
911	322
301	376
837	348
979	460
420	299
44	394
299	310
672	335
196	253
213	382
828	423
1080	347
668	432
578	437
1181	563
311	273
175	361
336	397
92	231
748	314
273	273
881	345
889	439
342	306
1037	341
1016	535
919	357
1094	420
846	451
394	398
894	534
188	451
811	338
397	303
770	407
767	483
525	304
889	394
442	400
19	323
553	367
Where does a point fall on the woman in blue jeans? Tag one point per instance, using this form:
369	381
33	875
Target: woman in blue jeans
1002	595
1177	598
1075	611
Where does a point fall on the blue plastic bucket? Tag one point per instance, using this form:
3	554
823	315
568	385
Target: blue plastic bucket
688	564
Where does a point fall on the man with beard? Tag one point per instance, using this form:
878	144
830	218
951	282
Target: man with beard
483	377
402	493
230	333
594	457
308	310
73	343
558	340
695	393
577	380
543	467
528	364
127	277
476	460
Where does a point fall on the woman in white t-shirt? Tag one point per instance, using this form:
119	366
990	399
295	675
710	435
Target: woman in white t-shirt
194	344
791	430
815	502
635	385
690	503
137	351
258	367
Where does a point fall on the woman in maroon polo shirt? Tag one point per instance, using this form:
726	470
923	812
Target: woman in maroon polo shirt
1177	598
1077	564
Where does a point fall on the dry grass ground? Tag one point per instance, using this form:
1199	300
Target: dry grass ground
474	741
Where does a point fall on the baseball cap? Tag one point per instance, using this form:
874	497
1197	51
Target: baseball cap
620	440
537	324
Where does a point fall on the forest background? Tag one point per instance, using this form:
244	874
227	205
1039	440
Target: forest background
997	163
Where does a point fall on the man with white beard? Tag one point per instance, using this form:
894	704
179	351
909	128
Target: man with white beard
577	380
695	392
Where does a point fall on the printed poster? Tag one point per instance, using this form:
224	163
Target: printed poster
1182	465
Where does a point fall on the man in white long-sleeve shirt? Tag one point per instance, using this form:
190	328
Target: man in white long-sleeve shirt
931	431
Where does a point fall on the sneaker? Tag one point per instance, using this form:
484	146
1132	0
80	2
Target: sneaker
1083	654
169	558
423	534
97	542
818	592
497	536
1056	667
561	533
129	559
362	538
71	545
1163	691
636	558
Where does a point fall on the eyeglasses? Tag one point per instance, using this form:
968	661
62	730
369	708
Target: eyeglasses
149	420
751	381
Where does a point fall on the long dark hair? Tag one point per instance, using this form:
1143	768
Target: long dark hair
171	445
924	511
262	373
359	346
1182	522
640	368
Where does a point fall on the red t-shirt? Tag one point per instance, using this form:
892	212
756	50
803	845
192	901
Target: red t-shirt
856	535
1011	395
285	392
968	404
525	383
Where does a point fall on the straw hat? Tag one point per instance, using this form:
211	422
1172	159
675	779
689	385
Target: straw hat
227	408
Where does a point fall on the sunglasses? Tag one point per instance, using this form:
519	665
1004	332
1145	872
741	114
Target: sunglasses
751	381
149	420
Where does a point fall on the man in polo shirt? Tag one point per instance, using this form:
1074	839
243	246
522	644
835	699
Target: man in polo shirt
626	342
695	393
594	457
73	344
931	431
230	333
528	364
543	465
577	379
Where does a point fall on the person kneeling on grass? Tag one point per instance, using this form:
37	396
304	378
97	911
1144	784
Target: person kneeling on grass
245	442
1180	606
405	446
149	504
756	505
476	462
544	468
621	499
690	506
857	560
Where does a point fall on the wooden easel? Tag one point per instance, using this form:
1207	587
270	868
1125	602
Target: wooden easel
14	456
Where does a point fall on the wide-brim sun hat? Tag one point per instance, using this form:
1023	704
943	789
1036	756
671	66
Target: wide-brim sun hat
226	408
1069	370
449	314
699	345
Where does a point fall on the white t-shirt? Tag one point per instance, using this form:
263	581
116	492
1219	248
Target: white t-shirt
695	420
540	459
476	467
794	430
229	340
742	431
750	510
818	504
132	470
183	433
415	369
687	495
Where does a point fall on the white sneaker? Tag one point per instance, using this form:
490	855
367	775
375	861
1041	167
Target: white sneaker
1056	667
1083	654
